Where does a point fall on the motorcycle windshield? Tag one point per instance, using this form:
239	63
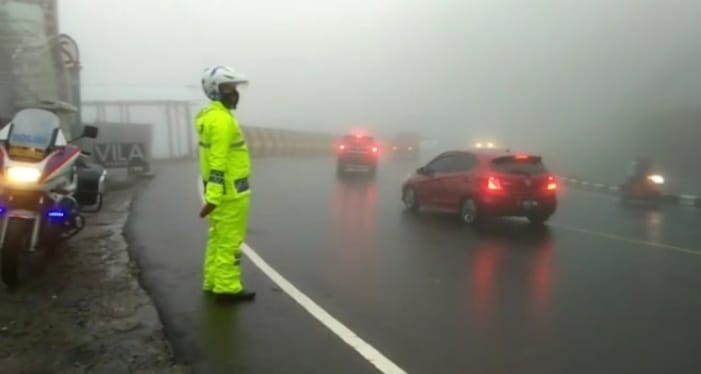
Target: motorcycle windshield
33	128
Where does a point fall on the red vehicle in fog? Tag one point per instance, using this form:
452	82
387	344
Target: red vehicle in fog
482	184
358	151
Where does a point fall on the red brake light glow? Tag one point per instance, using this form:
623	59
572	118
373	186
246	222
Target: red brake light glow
374	149
493	184
521	157
552	185
342	147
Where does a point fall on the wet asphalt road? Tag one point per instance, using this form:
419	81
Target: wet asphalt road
602	289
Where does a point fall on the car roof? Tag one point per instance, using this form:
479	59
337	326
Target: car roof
484	154
348	136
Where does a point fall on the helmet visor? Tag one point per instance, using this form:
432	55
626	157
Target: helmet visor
232	86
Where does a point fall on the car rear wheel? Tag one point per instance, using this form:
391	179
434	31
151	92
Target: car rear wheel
410	199
470	212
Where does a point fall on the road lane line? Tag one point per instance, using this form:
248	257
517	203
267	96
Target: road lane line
668	247
372	355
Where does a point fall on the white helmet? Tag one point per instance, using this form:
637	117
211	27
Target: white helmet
213	76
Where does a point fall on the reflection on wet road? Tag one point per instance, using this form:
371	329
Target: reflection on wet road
354	207
601	289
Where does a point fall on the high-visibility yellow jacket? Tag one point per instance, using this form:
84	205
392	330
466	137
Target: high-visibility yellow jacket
225	163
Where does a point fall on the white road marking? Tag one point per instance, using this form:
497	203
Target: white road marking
620	238
687	200
382	363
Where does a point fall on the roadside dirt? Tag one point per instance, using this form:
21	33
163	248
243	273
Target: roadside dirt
84	311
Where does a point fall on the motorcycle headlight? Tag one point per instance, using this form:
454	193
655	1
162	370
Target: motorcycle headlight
23	174
657	179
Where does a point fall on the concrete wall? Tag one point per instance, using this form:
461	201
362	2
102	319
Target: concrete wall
31	68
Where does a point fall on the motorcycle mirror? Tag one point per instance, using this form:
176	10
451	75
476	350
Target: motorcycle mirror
90	132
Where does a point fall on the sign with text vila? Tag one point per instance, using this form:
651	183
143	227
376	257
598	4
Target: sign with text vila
120	155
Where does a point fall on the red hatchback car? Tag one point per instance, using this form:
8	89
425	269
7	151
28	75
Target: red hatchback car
482	184
357	151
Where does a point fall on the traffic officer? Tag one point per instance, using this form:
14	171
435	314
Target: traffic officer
225	168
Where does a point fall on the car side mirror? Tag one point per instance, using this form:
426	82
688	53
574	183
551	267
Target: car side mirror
90	132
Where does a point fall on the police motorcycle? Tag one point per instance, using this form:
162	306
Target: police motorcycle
44	183
643	185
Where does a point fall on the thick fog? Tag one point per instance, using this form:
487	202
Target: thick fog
528	73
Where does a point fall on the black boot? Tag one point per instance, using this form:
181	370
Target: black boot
236	297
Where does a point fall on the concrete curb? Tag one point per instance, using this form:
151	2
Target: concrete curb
681	200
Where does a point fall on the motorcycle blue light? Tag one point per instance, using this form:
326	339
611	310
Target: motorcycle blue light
56	214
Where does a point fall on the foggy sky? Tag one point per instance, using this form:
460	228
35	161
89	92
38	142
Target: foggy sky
480	68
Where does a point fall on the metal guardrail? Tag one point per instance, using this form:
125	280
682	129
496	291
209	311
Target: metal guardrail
268	142
674	199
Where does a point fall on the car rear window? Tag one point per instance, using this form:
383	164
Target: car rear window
519	165
359	139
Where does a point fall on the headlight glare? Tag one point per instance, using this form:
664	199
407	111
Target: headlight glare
23	174
657	179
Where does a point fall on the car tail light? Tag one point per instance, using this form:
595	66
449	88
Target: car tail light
521	157
374	149
342	147
552	184
493	184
